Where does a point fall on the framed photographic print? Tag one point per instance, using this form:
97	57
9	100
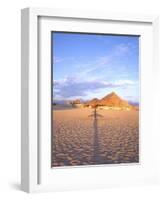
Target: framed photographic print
88	90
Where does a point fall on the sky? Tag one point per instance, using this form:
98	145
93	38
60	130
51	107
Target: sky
87	66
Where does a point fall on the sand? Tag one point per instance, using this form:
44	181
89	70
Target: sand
81	138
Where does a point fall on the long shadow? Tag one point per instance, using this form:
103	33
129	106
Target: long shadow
96	150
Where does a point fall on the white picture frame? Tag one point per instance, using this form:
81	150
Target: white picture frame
36	173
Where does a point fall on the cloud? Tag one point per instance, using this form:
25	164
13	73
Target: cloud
101	66
94	67
121	49
105	62
88	74
59	60
125	82
71	87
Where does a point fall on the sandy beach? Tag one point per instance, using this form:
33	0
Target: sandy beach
81	138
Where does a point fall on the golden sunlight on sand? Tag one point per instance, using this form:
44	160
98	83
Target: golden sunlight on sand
83	137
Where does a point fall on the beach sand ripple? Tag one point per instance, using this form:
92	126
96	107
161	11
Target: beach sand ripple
79	139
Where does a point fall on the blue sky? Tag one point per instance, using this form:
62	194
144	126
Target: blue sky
86	66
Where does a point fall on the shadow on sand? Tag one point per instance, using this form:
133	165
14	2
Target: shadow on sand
96	151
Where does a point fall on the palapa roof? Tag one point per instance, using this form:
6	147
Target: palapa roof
112	100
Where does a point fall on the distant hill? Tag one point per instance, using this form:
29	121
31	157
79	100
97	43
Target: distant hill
59	102
133	103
